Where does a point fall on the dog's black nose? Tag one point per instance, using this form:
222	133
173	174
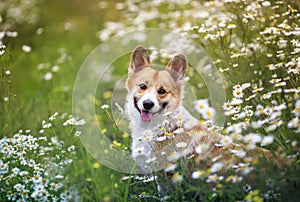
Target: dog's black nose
148	104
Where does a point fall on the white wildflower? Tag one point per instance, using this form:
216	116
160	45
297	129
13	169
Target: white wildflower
198	174
201	105
227	106
58	176
48	76
77	133
26	48
178	131
236	101
239	153
53	117
216	167
55	68
202	148
226	141
170	167
252	139
267	140
231	26
238	93
174	156
212	178
46	125
161	138
36	179
208	113
104	106
176	178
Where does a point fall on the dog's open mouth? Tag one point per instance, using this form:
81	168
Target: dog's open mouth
146	116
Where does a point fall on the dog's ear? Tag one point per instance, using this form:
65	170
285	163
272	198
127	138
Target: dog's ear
139	59
177	66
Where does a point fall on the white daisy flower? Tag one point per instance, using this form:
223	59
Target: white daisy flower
227	106
198	174
226	140
171	167
267	140
208	113
176	178
238	93
216	167
26	48
104	106
201	105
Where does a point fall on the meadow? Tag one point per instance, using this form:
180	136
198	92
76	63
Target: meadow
254	45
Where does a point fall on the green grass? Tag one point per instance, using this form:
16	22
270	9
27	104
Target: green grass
70	32
32	99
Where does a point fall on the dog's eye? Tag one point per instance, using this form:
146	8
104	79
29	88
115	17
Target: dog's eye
143	87
162	91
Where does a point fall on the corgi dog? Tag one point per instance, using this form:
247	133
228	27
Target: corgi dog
163	131
154	105
155	111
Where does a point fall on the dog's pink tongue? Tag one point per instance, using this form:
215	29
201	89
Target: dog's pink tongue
146	116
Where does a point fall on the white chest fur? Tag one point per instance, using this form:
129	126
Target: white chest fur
145	134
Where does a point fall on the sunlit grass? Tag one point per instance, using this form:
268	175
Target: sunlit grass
38	69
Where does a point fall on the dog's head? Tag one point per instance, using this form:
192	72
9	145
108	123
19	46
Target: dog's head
155	92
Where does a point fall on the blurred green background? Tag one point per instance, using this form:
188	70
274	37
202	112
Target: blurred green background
41	81
64	34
